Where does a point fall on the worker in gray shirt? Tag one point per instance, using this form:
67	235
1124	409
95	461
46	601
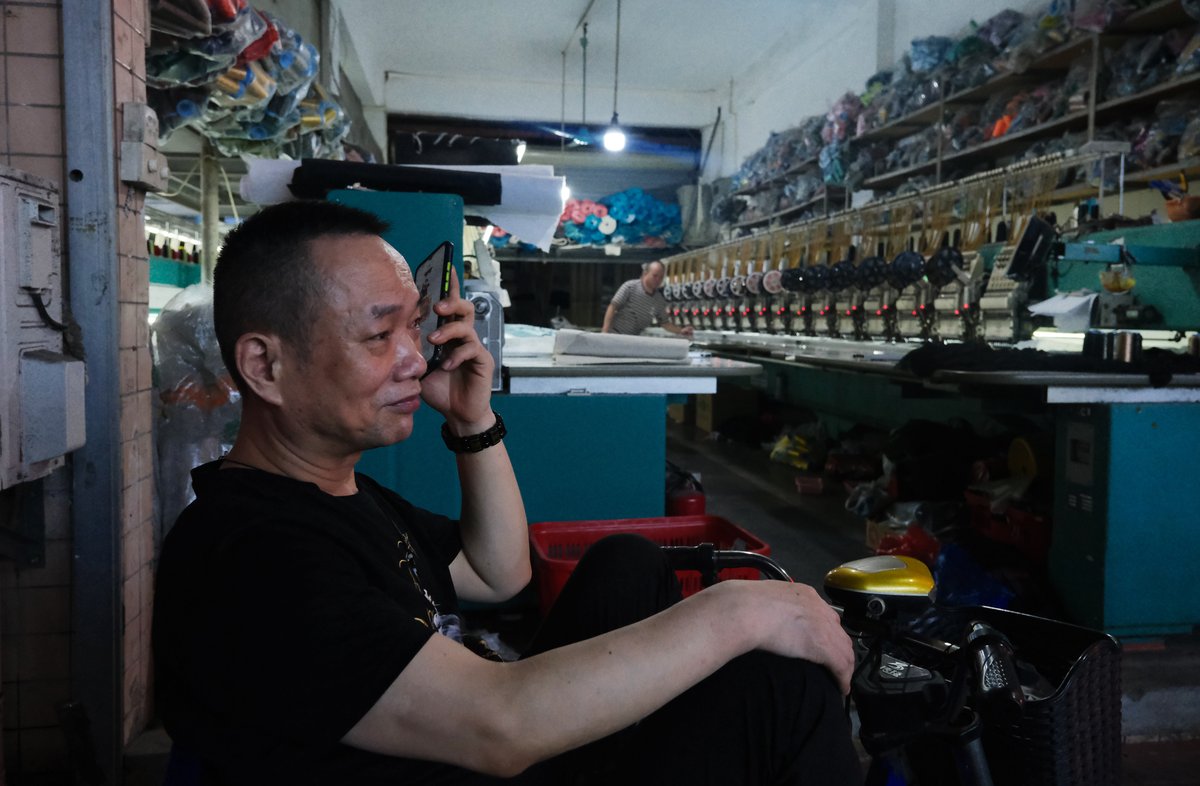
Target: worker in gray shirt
639	303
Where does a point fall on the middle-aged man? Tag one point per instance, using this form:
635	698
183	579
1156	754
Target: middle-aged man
639	303
306	624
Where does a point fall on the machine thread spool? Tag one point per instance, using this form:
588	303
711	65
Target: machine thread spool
1128	346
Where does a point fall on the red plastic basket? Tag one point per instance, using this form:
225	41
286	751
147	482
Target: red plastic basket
558	545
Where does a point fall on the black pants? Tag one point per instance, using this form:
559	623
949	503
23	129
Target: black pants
760	719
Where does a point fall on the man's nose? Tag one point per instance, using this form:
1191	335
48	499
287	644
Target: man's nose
409	360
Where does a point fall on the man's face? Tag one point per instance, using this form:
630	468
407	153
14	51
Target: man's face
653	277
359	385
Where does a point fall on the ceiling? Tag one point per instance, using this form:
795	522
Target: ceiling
667	48
681	45
521	62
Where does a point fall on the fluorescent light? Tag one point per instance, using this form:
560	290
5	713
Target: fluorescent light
520	151
566	193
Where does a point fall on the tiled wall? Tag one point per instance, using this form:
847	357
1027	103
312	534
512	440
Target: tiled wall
130	33
35	603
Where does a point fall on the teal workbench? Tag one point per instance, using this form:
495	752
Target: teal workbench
1126	527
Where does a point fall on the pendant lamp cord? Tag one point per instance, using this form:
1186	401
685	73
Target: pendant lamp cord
583	42
617	60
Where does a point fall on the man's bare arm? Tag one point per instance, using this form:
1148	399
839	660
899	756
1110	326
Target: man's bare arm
450	705
609	313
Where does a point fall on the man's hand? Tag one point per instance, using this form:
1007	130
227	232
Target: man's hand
806	627
461	387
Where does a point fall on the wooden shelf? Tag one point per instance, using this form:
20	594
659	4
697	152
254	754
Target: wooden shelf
1004	145
893	177
1189	166
831	193
778	180
1054	62
1154	18
904	126
1148	98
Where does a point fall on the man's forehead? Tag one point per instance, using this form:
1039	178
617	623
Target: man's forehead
402	268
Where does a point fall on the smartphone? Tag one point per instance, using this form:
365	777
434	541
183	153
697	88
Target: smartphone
432	278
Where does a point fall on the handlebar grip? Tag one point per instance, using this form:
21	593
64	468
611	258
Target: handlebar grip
998	684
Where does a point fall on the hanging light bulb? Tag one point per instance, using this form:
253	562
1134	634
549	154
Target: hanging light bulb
614	137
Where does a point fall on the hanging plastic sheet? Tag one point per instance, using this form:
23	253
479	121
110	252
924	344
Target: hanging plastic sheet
199	407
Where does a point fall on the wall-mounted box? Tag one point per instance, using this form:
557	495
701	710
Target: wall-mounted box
41	389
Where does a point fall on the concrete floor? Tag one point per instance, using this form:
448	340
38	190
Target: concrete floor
810	534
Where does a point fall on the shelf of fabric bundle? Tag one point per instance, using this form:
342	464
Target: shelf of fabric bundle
1182	87
897	176
777	180
904	126
1017	141
1188	166
1049	64
1154	18
829	200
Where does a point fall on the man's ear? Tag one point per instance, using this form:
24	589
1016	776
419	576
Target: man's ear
258	357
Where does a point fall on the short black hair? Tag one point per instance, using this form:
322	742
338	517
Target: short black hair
265	279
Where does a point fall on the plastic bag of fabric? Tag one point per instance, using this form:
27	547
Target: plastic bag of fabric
832	163
1140	63
928	53
199	407
1037	34
1096	16
842	119
961	581
999	29
1188	61
1189	141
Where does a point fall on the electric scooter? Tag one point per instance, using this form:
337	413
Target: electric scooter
975	696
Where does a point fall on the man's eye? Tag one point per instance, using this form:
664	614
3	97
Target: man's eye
381	336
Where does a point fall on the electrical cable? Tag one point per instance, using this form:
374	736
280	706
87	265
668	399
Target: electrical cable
40	305
183	182
617	60
583	46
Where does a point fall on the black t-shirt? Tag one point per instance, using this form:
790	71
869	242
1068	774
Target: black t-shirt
283	613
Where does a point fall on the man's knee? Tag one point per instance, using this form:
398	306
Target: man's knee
622	558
